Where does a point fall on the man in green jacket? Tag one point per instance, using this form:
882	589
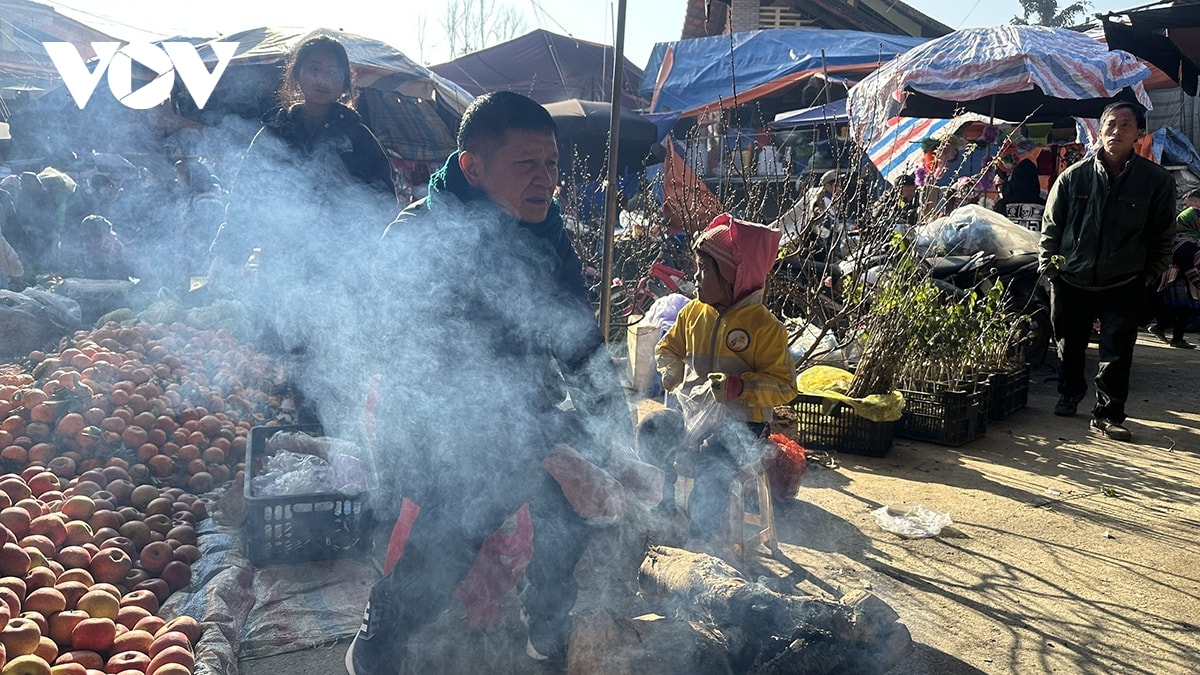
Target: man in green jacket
1106	238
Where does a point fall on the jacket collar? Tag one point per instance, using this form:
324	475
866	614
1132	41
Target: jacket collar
289	120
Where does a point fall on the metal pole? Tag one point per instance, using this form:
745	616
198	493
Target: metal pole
610	192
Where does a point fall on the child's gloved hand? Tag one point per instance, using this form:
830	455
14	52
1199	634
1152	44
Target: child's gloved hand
669	383
725	387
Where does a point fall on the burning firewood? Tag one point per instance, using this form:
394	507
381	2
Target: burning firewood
711	620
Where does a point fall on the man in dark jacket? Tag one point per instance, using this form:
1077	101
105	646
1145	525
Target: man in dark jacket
485	326
1106	238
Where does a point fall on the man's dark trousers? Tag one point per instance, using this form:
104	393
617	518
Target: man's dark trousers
1072	311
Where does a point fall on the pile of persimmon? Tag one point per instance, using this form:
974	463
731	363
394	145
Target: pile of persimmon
85	565
168	403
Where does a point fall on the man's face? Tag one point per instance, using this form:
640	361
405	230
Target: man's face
907	192
833	187
1119	131
1192	202
520	175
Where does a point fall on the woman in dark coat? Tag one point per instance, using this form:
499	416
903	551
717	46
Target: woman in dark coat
313	194
313	170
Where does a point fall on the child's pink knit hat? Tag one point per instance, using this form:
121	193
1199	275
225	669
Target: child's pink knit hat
744	251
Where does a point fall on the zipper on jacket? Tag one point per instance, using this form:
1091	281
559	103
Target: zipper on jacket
1108	196
712	346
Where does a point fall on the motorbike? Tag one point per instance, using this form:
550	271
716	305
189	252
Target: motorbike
671	271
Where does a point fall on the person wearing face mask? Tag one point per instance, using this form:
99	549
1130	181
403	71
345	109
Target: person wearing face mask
313	193
1107	231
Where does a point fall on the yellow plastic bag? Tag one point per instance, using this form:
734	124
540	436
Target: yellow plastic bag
833	383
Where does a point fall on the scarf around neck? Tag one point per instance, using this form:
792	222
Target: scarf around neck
450	178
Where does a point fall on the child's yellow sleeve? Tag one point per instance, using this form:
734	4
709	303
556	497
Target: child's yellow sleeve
771	381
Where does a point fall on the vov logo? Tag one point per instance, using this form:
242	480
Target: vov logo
117	62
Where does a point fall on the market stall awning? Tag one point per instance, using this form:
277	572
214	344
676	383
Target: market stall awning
1018	73
899	150
583	128
546	67
1165	34
829	113
377	65
693	76
405	104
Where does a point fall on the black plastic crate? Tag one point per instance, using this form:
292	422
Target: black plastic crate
1009	392
946	416
300	528
839	428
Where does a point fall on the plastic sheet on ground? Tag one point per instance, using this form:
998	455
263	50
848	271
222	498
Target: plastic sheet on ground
833	383
915	523
250	612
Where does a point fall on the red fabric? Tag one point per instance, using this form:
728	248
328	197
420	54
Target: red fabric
501	563
687	200
592	491
785	467
498	567
400	531
641	481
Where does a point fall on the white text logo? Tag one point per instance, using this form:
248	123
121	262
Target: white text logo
164	60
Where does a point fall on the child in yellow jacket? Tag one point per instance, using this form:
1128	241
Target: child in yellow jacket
726	348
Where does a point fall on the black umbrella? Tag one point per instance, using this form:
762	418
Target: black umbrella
583	131
1165	35
1032	105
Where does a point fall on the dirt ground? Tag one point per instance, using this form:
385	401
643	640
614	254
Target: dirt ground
1069	553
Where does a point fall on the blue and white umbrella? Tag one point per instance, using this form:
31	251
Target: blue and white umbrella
1016	73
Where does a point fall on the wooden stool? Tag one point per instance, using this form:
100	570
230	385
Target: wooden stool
750	505
751	517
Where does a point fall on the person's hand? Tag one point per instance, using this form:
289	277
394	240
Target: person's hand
669	383
725	387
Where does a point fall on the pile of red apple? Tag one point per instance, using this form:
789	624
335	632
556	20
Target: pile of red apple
85	564
169	403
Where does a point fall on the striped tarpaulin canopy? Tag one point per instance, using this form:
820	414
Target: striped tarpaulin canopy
897	149
1016	73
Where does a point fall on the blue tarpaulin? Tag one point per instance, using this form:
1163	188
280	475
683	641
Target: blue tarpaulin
1170	146
718	71
830	113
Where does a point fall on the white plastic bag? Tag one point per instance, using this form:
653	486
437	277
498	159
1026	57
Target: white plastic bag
915	523
972	228
664	310
702	414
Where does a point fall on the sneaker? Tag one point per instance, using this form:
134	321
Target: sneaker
1111	429
1181	344
358	662
1067	406
550	657
350	659
1159	333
